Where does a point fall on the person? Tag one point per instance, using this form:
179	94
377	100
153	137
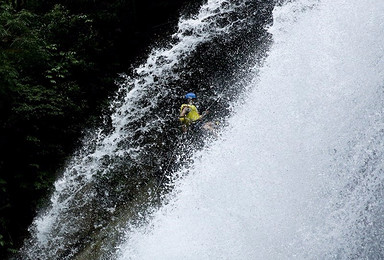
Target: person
190	116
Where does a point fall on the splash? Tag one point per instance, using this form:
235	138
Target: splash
115	171
298	174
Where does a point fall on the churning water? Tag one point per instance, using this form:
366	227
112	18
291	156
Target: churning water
299	172
114	178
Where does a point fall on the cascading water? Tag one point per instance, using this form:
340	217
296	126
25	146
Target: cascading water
118	175
299	172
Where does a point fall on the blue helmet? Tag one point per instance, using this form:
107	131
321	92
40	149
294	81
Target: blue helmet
190	95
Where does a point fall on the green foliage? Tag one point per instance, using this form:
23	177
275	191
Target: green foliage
2	241
41	58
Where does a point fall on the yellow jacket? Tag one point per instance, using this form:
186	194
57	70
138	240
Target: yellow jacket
191	116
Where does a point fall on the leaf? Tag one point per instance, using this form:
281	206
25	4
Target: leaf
32	139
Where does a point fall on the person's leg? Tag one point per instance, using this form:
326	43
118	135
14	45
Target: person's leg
209	126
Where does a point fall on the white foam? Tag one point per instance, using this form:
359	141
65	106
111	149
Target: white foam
276	185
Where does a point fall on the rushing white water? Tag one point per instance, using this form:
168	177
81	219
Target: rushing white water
299	173
114	167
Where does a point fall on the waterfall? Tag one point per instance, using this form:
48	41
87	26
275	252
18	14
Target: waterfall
123	169
298	173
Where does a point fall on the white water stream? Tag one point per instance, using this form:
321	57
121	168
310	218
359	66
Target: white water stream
299	172
115	167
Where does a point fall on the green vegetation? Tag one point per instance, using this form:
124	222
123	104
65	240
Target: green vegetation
58	63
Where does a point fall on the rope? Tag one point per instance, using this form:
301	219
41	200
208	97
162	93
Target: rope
215	101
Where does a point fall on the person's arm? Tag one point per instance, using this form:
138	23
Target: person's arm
185	111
